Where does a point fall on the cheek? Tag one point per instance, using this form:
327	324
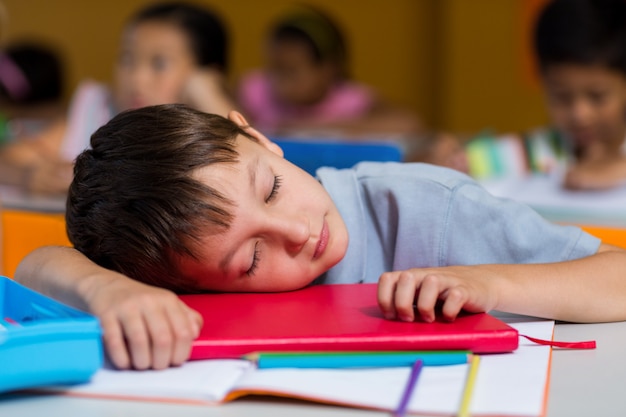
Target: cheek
614	112
286	275
122	80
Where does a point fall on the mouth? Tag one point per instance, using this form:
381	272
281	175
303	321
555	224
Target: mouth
322	242
583	136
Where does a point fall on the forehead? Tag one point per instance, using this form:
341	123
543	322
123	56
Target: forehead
156	34
223	175
294	51
565	75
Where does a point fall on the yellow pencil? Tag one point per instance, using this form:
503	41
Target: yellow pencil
470	382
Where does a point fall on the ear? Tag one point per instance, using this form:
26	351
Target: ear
236	117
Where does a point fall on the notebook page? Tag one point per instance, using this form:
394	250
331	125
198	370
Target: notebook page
204	381
515	383
438	389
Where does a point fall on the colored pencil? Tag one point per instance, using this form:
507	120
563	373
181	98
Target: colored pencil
409	388
266	360
470	383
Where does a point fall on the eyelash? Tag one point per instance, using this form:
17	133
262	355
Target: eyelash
256	257
277	183
255	260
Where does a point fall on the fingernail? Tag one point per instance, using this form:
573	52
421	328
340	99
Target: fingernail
428	319
406	317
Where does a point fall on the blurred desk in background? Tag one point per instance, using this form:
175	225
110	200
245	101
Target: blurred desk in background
29	222
16	199
601	213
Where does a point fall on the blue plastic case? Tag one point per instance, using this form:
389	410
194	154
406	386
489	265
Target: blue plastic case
43	341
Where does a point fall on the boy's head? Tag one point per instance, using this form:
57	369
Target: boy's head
191	202
581	49
306	56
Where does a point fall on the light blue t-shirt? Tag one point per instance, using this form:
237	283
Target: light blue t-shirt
402	216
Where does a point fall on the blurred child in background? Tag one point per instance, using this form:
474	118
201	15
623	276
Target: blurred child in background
31	86
305	87
169	53
581	50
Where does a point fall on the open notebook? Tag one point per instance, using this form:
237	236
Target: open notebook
510	384
331	318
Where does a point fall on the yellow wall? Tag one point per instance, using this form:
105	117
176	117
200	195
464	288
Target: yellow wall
458	63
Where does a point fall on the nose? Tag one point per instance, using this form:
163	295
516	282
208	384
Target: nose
292	231
580	111
136	76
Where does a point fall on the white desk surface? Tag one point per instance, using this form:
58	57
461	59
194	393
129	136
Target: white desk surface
582	383
16	199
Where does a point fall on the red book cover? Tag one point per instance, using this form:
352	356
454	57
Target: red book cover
331	318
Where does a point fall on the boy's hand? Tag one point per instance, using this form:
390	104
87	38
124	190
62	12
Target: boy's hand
403	293
144	326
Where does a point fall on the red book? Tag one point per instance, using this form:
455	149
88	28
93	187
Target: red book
331	318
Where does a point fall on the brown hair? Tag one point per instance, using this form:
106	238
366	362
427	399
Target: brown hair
134	206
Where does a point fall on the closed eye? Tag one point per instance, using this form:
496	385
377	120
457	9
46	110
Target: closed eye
275	187
255	261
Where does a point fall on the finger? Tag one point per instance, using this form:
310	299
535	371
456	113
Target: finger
427	298
114	342
186	329
404	297
161	337
455	299
137	341
386	291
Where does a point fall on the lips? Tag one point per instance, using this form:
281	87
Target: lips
322	242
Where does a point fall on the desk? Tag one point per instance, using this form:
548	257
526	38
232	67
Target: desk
583	383
28	222
16	199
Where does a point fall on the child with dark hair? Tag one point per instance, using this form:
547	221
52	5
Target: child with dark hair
173	52
580	46
581	49
31	89
305	86
30	73
194	202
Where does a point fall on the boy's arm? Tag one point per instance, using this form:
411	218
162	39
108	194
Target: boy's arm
144	326
591	289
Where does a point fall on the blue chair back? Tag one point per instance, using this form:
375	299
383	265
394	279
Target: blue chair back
311	154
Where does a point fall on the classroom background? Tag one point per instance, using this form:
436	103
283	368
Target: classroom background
462	66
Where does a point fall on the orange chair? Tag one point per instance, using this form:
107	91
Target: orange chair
24	231
610	235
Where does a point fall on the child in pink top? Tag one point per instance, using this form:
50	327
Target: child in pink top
305	85
345	100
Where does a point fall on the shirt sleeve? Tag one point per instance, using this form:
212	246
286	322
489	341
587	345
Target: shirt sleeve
481	228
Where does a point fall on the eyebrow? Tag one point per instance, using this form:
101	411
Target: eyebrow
252	169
